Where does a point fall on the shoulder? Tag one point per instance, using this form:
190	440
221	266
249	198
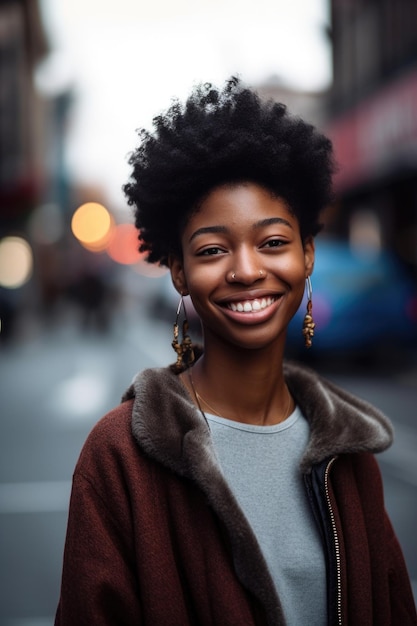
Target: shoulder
114	427
115	440
109	444
340	422
149	386
154	384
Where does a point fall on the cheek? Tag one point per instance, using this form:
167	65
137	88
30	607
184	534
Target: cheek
200	277
294	269
202	282
196	287
199	288
294	275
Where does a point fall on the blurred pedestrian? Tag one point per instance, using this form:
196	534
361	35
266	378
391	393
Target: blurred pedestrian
233	488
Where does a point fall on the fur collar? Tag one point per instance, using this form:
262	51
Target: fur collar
169	428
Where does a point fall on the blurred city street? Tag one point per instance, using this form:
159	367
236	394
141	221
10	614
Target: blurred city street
81	311
59	381
54	387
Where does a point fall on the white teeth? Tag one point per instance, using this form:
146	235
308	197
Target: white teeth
248	306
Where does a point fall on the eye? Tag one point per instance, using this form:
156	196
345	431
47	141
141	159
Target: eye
274	243
213	250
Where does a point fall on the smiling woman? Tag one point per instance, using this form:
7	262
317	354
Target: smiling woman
244	265
232	487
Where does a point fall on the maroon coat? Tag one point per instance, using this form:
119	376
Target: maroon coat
156	538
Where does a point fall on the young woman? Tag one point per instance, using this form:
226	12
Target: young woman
233	488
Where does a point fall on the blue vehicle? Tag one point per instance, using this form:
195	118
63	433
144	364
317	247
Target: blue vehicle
361	302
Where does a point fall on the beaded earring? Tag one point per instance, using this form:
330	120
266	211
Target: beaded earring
184	350
308	323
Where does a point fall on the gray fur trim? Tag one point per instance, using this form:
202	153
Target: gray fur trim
166	421
340	422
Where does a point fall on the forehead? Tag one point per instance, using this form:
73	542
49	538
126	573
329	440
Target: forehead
238	204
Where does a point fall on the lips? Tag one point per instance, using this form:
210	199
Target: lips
251	306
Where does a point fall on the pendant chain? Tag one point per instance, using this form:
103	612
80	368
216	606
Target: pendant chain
199	398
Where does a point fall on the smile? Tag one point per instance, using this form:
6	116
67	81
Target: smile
251	306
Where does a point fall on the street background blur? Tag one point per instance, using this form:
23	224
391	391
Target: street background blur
81	312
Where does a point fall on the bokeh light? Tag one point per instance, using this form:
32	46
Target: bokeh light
123	245
100	245
16	262
91	223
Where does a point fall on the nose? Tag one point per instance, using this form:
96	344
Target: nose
246	268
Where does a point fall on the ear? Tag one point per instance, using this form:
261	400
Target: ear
176	268
309	253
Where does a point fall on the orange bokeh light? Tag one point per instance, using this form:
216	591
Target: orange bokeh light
91	223
100	245
123	245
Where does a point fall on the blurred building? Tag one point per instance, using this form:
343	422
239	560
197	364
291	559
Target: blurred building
372	113
33	185
22	45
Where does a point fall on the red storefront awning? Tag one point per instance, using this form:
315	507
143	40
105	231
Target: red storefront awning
377	134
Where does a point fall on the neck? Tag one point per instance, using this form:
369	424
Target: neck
246	386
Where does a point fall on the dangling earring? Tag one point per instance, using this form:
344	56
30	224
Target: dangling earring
184	350
308	324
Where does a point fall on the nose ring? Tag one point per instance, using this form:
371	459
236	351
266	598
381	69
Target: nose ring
261	274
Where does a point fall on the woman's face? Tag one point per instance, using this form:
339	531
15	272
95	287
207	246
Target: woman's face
244	265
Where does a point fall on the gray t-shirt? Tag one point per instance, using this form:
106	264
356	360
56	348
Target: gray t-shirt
261	466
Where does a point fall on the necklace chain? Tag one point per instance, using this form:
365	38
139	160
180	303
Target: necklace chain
199	398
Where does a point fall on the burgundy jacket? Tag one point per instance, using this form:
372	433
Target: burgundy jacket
155	537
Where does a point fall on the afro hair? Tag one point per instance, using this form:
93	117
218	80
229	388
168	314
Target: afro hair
219	137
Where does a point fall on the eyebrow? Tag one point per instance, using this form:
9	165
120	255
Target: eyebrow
208	229
222	229
272	220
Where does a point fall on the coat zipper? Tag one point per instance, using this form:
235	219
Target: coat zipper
336	541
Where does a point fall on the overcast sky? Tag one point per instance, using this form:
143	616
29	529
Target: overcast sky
126	59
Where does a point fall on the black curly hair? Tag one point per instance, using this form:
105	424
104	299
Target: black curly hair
218	137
